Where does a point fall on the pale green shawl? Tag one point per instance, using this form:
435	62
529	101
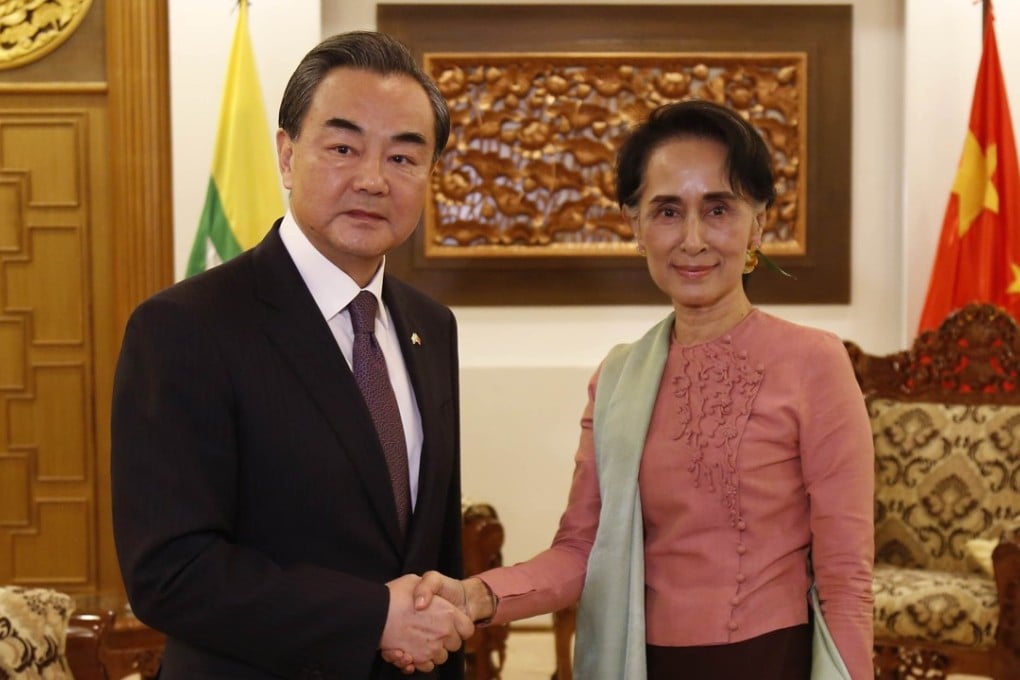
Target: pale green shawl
610	643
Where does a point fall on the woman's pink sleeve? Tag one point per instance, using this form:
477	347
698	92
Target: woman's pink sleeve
552	579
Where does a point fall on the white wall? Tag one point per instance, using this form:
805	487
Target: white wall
942	52
525	369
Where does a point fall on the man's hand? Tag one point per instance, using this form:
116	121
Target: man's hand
421	637
471	595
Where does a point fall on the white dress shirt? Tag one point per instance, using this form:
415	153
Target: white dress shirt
333	290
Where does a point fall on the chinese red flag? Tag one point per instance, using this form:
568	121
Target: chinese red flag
978	256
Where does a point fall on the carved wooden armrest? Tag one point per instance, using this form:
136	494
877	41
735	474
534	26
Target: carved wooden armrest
106	642
482	533
483	539
84	633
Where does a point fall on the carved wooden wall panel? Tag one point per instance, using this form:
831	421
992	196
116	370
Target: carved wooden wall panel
45	556
85	234
49	286
74	52
31	30
48	465
539	242
528	171
53	423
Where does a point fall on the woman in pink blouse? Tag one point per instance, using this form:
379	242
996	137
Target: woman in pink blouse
715	452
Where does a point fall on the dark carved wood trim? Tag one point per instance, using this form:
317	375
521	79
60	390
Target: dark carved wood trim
972	358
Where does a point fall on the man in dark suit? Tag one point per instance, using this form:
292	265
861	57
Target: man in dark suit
256	519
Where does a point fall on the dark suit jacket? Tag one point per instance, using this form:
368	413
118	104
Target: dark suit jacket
253	513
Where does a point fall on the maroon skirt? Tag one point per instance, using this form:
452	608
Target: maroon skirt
783	654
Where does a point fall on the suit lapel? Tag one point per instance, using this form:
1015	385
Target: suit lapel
295	325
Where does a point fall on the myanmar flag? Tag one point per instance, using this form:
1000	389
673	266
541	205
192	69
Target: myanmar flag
978	256
243	198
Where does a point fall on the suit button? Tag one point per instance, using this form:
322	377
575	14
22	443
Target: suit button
732	625
741	525
741	549
741	578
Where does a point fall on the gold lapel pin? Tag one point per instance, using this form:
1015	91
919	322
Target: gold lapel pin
415	339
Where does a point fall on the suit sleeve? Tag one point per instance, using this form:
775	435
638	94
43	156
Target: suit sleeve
175	460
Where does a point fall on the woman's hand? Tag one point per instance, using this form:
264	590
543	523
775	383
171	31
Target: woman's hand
471	595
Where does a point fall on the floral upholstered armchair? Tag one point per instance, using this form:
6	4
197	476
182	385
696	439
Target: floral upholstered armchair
945	416
33	633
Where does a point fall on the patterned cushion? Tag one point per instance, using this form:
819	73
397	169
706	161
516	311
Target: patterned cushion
33	632
944	474
937	606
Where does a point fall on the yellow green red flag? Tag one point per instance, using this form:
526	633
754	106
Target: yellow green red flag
978	256
243	197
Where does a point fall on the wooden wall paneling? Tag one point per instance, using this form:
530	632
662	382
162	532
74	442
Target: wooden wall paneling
48	440
139	81
49	131
140	250
85	234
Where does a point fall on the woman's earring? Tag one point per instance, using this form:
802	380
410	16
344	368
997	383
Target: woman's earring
640	249
750	260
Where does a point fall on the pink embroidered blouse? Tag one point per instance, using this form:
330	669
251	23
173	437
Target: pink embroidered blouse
759	447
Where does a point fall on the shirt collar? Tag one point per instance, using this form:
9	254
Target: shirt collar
331	287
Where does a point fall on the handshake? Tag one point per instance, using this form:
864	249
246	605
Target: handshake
430	616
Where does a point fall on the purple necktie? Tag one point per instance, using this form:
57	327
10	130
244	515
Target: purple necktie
374	382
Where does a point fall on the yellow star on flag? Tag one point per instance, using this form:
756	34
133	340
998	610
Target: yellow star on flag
1014	287
973	182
